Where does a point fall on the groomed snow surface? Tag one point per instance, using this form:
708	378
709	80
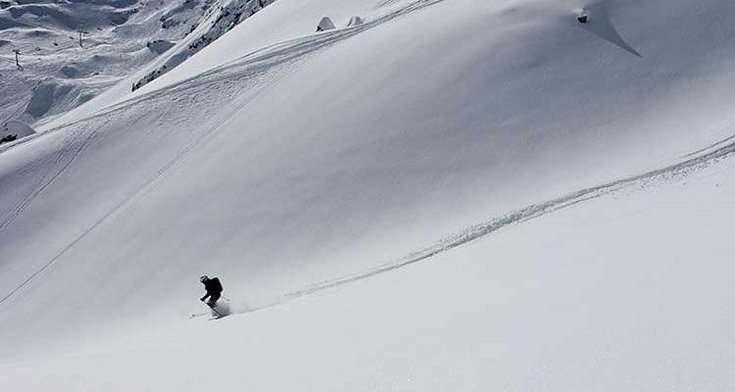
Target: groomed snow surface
453	195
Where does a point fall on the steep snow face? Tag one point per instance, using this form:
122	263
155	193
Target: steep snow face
292	162
227	16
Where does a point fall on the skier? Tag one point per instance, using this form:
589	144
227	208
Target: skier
214	290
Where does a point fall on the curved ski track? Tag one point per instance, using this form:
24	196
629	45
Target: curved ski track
702	159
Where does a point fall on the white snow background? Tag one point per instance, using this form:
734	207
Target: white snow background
454	195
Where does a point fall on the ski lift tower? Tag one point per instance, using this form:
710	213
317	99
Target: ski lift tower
17	59
81	33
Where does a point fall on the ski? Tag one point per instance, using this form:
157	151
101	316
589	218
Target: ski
216	313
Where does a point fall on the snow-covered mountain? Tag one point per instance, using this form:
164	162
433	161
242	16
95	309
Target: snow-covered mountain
70	51
433	195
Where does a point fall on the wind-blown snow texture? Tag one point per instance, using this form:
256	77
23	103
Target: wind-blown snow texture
57	72
561	192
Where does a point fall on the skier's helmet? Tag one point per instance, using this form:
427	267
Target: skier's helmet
203	278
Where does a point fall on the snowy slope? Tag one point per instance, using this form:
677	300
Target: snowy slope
575	311
285	165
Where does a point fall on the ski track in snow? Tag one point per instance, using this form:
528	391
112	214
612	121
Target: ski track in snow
703	159
46	180
281	57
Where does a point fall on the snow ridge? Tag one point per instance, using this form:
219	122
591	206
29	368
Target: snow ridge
229	16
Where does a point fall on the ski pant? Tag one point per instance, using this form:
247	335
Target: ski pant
213	298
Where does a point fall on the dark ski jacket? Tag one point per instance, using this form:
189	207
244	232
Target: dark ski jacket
213	286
